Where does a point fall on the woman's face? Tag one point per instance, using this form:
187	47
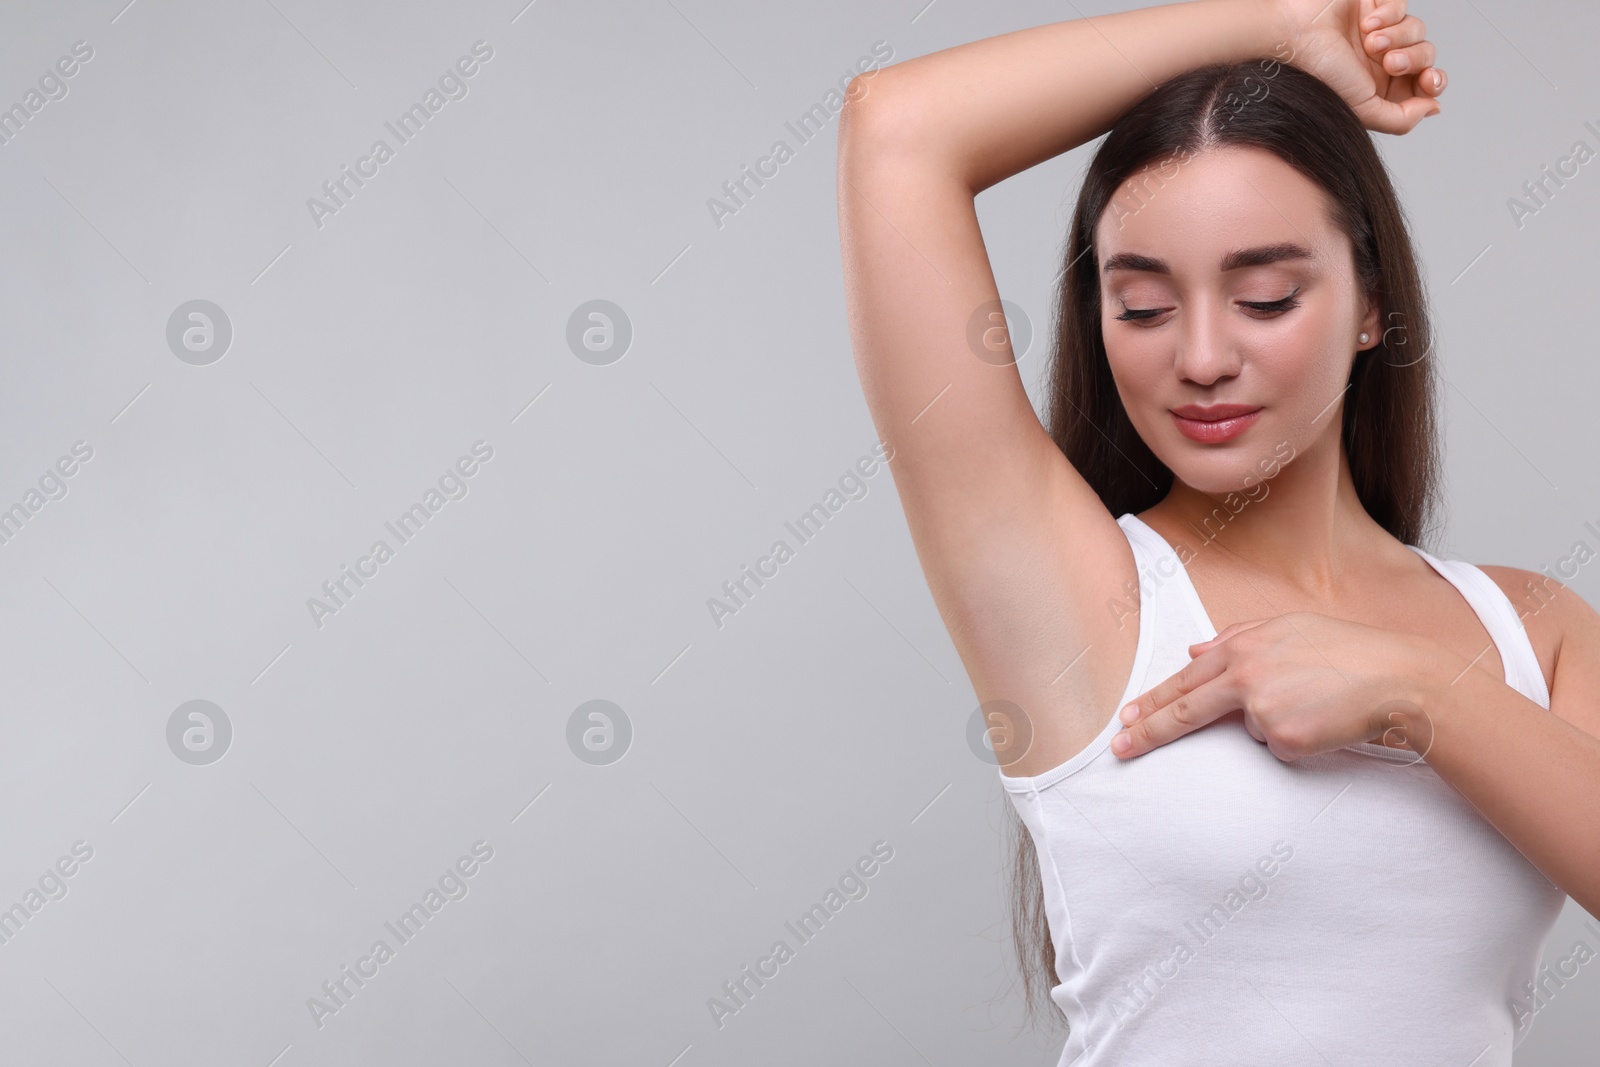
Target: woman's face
1223	282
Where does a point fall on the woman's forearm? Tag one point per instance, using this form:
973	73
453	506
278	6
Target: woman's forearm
992	108
1534	776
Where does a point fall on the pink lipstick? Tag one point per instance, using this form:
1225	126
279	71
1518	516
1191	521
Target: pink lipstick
1218	422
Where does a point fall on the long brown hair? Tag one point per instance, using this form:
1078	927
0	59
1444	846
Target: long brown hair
1389	428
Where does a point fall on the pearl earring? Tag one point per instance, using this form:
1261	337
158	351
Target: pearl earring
1363	338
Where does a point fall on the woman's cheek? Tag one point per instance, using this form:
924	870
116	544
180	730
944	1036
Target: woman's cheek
1136	387
1307	377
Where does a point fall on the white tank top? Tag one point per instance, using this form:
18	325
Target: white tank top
1212	904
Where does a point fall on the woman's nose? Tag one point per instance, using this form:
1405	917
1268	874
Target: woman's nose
1206	348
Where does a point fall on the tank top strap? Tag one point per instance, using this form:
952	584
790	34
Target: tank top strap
1499	617
1164	586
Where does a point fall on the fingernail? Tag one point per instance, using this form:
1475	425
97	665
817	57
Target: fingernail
1380	42
1401	61
1373	22
1121	742
1438	80
1129	713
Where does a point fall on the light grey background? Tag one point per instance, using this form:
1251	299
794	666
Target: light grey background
432	710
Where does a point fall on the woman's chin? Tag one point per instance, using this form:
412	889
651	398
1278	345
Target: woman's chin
1218	480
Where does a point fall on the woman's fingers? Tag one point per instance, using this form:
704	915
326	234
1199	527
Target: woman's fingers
1227	632
1386	13
1418	57
1182	703
1402	48
1403	30
1386	116
1181	714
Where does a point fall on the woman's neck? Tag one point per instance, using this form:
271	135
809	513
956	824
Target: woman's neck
1305	526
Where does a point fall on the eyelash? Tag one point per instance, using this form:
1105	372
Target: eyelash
1288	303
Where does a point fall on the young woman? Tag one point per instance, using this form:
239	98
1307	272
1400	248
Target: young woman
1354	782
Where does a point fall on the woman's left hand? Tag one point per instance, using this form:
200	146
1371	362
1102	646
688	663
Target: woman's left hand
1307	683
1371	52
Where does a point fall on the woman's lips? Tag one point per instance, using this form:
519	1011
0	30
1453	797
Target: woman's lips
1215	429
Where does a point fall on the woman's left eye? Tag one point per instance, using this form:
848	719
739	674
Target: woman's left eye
1287	303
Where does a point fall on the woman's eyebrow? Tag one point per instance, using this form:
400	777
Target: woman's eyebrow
1234	260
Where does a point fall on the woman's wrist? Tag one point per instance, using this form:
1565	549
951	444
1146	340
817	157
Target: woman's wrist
1264	28
1280	29
1425	678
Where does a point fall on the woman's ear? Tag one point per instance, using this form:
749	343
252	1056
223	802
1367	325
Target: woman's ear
1371	325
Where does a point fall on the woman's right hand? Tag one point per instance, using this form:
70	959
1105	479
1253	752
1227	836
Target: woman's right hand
1390	86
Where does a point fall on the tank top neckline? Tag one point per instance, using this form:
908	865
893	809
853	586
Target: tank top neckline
1202	618
1494	610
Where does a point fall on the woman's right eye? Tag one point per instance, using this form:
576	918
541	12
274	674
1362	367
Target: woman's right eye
1137	314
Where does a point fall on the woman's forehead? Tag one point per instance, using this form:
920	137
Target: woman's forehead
1213	192
1213	202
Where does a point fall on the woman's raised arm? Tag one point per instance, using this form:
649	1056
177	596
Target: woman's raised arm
1014	543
